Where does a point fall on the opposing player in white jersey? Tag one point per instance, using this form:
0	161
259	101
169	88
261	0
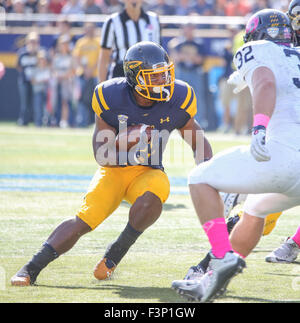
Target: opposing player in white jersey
288	251
268	170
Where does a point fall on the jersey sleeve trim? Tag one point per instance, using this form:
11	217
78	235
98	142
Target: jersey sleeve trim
96	103
187	98
192	108
190	103
100	97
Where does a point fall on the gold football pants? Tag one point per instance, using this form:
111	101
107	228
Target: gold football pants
111	185
270	221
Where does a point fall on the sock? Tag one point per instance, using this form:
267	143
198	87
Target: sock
44	256
296	237
204	262
39	261
216	231
118	249
242	256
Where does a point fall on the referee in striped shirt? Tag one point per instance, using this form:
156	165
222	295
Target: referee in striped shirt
122	30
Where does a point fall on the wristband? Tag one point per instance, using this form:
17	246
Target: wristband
256	129
261	120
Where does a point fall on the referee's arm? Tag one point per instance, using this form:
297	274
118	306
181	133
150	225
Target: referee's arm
103	63
106	49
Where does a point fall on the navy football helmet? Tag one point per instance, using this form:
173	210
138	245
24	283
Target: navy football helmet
269	24
294	15
149	71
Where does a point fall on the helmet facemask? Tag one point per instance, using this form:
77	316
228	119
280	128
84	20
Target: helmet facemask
156	83
149	71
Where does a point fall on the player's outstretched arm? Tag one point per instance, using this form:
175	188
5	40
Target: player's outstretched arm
103	63
264	99
264	86
193	134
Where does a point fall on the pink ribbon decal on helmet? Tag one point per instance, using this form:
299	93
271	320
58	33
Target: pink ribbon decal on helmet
252	24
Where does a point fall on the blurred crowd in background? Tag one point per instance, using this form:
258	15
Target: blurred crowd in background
162	7
56	84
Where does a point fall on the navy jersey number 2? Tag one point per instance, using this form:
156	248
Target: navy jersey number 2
289	52
244	56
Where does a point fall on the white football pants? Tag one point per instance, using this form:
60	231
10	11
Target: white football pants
273	186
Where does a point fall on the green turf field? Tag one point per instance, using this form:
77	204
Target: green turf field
163	253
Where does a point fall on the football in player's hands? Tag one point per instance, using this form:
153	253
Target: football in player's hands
130	136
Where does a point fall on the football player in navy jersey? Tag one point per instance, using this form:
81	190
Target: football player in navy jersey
147	95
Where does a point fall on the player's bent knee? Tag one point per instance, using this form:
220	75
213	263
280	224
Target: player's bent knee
148	200
147	205
145	211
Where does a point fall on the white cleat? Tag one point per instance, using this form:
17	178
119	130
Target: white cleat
286	253
194	273
215	281
192	289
